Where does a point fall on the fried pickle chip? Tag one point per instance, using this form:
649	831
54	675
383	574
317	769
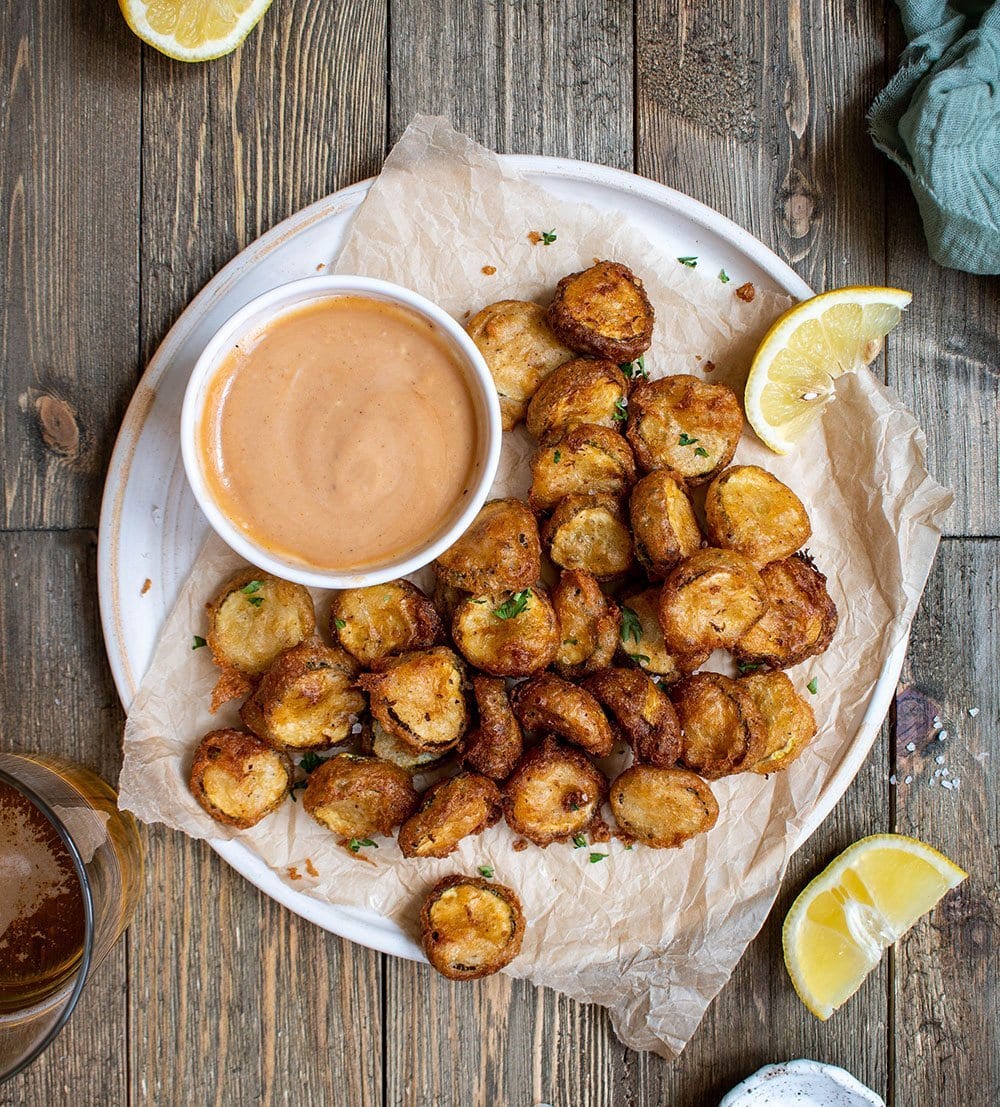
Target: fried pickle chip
800	618
555	792
512	634
662	808
590	533
748	509
470	927
587	460
684	425
307	700
547	702
722	731
789	722
450	810
357	796
589	624
708	600
499	552
603	311
372	623
495	746
377	741
446	599
520	350
581	391
238	778
642	639
645	715
251	619
663	523
420	698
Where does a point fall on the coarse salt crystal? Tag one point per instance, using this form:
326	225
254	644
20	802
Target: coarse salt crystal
357	728
942	736
939	759
947	784
892	778
939	772
908	780
973	712
955	783
937	720
932	782
910	747
946	772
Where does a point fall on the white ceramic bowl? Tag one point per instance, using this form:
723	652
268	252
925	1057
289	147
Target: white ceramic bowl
263	310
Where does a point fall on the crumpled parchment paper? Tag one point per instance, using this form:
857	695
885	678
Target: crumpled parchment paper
651	935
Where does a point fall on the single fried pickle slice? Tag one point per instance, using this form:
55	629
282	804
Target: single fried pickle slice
684	425
495	746
356	796
554	793
662	808
580	391
307	700
372	623
603	311
500	551
449	811
642	639
590	533
748	509
420	698
470	927
789	722
512	634
722	731
251	619
800	619
645	715
546	702
377	741
708	600
588	621
587	460
520	351
237	778
663	523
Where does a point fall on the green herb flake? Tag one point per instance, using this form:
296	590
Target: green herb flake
723	276
357	843
701	451
631	625
198	642
629	846
310	762
255	600
813	685
479	601
595	857
579	841
639	658
295	787
686	439
690	262
748	667
339	624
253	586
513	607
635	369
574	807
486	871
556	457
621	410
570	642
548	237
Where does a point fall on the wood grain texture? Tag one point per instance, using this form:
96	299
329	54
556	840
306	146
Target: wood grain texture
69	285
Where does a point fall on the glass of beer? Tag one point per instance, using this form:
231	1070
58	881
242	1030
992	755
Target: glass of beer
70	874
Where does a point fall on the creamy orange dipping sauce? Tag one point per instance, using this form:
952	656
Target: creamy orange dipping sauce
342	435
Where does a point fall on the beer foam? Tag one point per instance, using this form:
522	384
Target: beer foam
30	870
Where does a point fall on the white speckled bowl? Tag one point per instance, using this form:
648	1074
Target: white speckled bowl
801	1084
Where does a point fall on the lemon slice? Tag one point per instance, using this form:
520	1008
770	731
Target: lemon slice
792	374
859	904
193	30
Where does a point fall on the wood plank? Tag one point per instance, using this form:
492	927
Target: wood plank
946	970
56	696
69	272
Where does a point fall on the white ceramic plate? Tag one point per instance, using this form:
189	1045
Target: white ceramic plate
151	528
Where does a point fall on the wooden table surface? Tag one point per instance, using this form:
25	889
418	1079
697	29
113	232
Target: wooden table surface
127	180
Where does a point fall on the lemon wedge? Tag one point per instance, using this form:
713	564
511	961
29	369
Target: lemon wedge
193	30
865	899
792	374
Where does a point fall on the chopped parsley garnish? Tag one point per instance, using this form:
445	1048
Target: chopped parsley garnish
631	625
486	871
339	624
639	658
513	607
621	412
569	642
479	601
690	262
310	762
723	276
595	857
701	451
556	456
634	369
253	586
686	439
629	846
548	237
357	843
198	642
574	807
579	841
813	686
748	666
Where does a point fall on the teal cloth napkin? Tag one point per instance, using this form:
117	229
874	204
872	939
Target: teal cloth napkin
939	120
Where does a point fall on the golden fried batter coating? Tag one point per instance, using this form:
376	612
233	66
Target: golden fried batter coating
500	551
549	703
470	927
377	741
520	350
750	510
446	599
684	425
800	619
590	533
372	623
581	391
642	639
722	731
420	698
554	793
662	808
603	311
512	634
645	715
495	746
450	810
357	796
589	624
708	600
789	722
307	700
588	460
251	619
238	778
663	523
